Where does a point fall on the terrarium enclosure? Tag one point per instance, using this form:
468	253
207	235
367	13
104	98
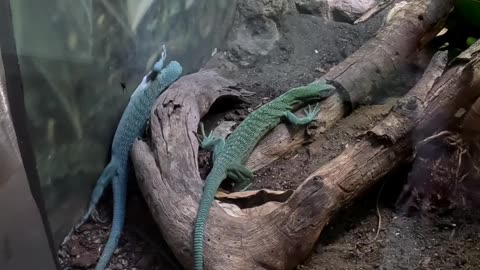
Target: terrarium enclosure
386	176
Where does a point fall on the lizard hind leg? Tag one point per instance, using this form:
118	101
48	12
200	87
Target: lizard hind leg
103	181
241	176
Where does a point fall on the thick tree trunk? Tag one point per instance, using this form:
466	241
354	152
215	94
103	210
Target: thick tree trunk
394	46
277	235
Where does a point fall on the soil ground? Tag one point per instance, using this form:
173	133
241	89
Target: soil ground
309	47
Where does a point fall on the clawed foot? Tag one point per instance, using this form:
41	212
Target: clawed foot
158	66
207	141
239	187
163	55
93	213
164	52
80	224
310	113
96	217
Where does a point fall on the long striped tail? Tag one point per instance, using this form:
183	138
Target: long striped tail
212	183
119	204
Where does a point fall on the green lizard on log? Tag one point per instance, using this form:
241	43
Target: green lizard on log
229	155
131	126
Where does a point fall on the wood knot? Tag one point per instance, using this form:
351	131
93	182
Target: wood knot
318	181
314	128
411	104
407	104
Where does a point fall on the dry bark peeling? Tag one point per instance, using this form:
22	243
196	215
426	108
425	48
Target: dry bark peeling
276	235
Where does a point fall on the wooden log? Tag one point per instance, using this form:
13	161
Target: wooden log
471	122
363	72
273	235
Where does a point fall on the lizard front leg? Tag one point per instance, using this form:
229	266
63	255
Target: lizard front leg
311	114
211	141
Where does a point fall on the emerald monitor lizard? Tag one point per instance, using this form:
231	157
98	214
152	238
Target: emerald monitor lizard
229	155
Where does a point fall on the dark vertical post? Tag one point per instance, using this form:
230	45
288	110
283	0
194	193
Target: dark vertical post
25	235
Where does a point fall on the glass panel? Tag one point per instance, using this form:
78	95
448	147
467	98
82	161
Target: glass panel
18	208
80	61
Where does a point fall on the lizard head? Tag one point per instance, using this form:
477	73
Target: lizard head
309	93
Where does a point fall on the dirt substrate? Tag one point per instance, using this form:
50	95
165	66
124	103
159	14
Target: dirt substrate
309	47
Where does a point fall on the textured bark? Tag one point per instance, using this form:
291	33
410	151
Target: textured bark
471	122
276	235
444	171
394	46
406	114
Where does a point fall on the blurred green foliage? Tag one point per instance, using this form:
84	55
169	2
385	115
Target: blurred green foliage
469	11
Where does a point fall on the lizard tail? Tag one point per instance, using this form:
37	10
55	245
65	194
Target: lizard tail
213	181
119	203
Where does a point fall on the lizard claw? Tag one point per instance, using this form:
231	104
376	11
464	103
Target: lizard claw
77	227
201	135
312	113
96	217
158	66
207	140
84	219
202	129
164	52
93	214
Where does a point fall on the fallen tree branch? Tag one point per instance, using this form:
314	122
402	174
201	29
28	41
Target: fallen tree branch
274	235
362	73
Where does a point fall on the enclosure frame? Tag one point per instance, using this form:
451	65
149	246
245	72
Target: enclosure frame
14	115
